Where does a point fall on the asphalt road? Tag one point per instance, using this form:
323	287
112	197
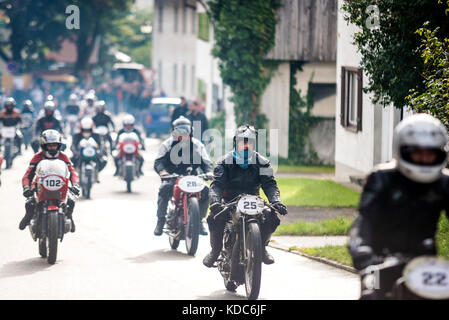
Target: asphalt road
114	255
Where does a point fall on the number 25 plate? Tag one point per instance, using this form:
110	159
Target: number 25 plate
428	277
250	205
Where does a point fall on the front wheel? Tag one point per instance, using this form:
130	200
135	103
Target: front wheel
192	226
253	261
52	237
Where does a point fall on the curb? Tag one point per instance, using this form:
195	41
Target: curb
278	246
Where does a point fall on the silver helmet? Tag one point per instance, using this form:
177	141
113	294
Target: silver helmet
420	131
181	127
51	136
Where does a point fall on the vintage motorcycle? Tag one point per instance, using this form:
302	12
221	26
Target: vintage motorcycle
240	261
50	223
72	120
183	217
406	277
128	153
103	131
87	165
27	129
8	136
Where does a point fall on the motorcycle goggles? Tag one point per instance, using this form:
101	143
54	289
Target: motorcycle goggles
52	148
423	156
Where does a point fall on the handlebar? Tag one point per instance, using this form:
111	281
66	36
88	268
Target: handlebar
172	176
234	202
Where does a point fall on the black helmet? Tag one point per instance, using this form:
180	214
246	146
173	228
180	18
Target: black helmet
245	133
181	126
50	136
10	103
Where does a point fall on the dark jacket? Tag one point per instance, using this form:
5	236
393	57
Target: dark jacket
397	214
10	119
103	119
179	111
198	117
230	180
46	123
198	157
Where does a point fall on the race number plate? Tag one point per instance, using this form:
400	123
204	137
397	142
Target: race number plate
102	130
53	183
8	132
428	277
191	184
250	205
89	152
129	148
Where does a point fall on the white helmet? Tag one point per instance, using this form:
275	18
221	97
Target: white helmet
420	131
127	121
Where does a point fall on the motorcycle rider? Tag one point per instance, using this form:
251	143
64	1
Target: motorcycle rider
402	200
72	107
27	120
48	121
51	143
11	117
128	126
88	107
181	139
87	131
242	171
103	118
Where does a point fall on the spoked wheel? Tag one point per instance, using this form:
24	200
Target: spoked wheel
43	247
52	237
192	227
253	263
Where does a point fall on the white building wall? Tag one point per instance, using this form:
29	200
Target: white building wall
276	104
172	48
357	153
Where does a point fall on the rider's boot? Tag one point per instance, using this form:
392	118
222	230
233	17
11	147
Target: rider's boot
267	258
70	207
159	226
216	242
29	212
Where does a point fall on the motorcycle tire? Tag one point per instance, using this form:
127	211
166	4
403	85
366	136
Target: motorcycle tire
43	248
52	236
253	266
173	243
192	227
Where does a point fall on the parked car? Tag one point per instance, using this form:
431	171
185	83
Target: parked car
158	117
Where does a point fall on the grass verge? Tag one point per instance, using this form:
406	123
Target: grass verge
305	169
339	254
335	227
316	193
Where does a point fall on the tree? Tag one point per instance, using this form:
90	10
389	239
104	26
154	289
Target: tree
35	26
388	43
244	32
434	99
97	17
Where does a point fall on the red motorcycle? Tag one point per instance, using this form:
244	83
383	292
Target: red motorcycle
128	155
51	186
183	217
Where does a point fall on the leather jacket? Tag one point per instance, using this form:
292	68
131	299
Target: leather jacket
396	214
230	180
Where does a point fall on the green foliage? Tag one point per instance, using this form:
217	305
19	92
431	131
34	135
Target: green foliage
35	28
434	99
389	55
128	37
316	193
339	254
442	237
329	227
203	26
244	32
301	121
218	122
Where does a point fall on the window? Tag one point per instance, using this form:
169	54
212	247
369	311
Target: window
351	98
184	19
161	12
192	75
203	27
175	79
159	68
176	19
183	78
193	21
